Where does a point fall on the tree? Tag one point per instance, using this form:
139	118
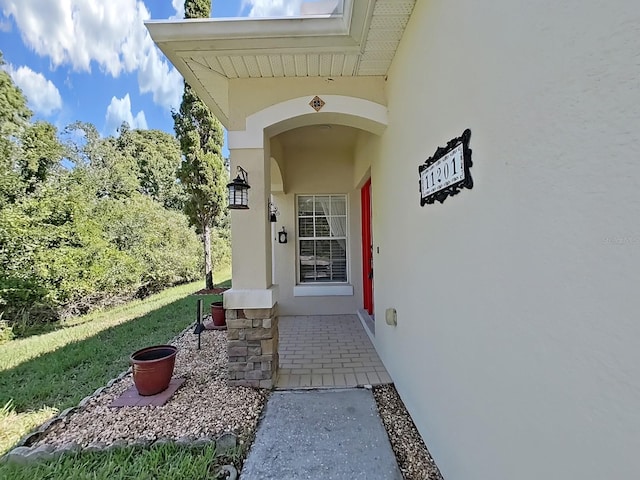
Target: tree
40	153
157	155
197	8
96	234
14	118
202	170
28	151
113	172
75	239
14	113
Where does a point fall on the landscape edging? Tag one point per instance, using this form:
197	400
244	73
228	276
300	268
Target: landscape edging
24	453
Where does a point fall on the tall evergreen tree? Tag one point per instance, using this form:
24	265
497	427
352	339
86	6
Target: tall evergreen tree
202	170
197	8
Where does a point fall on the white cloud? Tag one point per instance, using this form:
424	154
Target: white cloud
178	6
118	111
109	34
273	8
159	78
5	26
42	95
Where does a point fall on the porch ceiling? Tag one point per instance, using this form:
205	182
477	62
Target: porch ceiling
209	52
319	137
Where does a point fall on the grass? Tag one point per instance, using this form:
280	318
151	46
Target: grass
77	329
41	375
226	283
14	425
158	463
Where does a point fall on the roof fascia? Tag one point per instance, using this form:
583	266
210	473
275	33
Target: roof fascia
243	35
246	29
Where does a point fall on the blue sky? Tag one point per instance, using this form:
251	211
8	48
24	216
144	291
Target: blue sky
93	60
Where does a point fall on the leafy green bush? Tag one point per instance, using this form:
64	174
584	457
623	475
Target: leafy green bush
86	221
66	252
166	250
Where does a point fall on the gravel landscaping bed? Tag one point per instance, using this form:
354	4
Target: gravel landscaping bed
203	407
412	455
206	407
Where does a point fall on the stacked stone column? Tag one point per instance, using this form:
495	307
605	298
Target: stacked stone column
252	347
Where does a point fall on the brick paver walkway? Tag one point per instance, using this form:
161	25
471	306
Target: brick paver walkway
327	351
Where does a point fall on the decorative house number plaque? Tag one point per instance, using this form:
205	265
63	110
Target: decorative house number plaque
447	171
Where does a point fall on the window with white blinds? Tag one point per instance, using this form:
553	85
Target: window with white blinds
322	238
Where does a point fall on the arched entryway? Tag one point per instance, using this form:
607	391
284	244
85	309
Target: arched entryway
311	165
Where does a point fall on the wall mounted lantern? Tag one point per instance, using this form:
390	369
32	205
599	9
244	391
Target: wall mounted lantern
282	236
273	211
239	191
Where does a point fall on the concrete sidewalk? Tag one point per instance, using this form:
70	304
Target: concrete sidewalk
321	434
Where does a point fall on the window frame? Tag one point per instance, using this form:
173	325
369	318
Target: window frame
317	283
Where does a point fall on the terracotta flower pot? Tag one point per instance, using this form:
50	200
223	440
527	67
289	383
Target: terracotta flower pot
153	368
217	314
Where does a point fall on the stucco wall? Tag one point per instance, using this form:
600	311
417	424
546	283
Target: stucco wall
516	349
251	95
365	149
316	171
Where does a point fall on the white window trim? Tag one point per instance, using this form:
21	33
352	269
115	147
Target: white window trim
322	290
307	289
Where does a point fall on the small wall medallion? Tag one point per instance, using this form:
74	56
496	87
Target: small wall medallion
317	103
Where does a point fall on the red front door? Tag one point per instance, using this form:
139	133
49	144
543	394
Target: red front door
367	247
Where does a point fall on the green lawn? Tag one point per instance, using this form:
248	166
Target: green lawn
44	374
168	462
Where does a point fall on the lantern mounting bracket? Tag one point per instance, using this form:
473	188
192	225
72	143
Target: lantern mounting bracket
273	212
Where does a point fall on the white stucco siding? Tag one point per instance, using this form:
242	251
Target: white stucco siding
253	95
366	148
516	349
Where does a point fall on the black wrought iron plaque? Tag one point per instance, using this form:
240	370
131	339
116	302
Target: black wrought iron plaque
447	171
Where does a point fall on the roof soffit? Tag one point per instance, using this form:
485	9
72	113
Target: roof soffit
208	52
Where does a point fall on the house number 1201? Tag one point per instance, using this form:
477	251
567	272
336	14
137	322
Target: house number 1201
444	172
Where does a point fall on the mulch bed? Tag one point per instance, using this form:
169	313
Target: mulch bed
413	457
213	291
204	406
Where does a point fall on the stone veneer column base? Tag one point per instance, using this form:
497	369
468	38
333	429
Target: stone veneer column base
252	347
